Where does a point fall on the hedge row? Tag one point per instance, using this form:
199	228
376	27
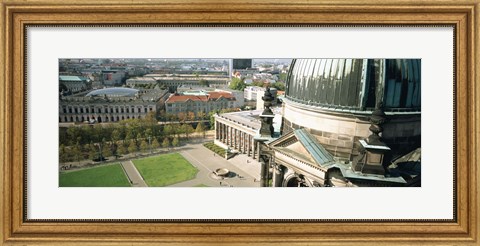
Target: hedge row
215	148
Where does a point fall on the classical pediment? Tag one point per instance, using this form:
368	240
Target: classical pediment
301	145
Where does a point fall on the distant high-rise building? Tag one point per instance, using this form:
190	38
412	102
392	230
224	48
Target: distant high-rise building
242	63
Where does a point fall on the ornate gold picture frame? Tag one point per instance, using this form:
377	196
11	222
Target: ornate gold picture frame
17	15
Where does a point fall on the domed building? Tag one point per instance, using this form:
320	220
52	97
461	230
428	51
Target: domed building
349	122
334	98
113	92
343	122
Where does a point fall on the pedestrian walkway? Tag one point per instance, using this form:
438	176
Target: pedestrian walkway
247	164
133	175
206	162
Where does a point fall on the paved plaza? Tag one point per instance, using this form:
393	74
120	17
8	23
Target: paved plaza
246	173
244	170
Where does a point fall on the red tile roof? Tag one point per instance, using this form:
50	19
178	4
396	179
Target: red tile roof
184	98
214	95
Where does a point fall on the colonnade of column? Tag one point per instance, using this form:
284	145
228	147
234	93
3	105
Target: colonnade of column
236	139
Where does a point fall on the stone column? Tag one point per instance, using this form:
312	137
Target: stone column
254	149
244	149
227	135
235	138
230	136
277	176
258	150
263	168
249	144
220	131
217	131
224	134
222	127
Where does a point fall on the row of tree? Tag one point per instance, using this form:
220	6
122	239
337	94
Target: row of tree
182	116
99	151
128	136
240	85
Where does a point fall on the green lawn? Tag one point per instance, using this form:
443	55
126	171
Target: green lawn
163	170
103	176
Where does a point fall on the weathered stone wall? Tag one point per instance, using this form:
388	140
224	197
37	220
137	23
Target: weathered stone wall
339	133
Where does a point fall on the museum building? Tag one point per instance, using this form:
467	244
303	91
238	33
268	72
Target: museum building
111	105
344	122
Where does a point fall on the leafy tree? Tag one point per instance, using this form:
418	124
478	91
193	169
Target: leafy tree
148	132
122	150
62	153
98	133
182	116
282	77
175	142
166	143
92	152
162	115
132	147
187	129
150	119
259	83
211	116
86	134
106	150
137	139
116	136
191	115
279	86
129	137
237	84
143	146
85	151
201	115
172	117
76	152
203	82
200	129
177	129
168	130
155	143
73	133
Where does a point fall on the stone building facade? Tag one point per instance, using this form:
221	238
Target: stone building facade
236	131
191	80
344	122
111	105
73	84
205	102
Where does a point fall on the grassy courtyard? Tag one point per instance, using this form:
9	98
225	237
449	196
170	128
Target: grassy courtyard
103	176
163	170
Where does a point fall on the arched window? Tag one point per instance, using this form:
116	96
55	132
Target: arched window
402	83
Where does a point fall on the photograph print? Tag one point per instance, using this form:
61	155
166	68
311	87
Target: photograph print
225	122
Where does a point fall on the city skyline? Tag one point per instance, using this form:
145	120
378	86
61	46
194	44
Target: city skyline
222	123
